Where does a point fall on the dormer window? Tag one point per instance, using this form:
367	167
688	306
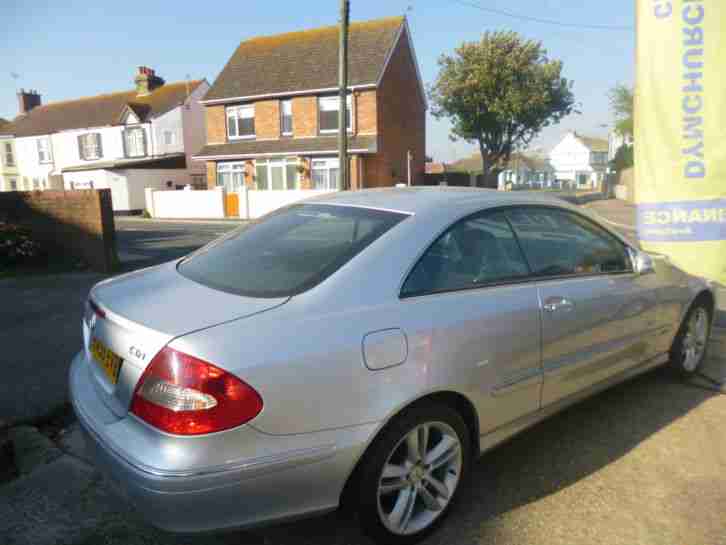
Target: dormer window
241	122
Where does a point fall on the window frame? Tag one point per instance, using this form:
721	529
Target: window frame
8	154
529	278
328	162
44	150
129	130
595	226
283	132
231	111
283	162
336	99
171	134
83	146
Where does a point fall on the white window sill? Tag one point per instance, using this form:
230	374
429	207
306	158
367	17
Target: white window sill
285	134
334	131
250	137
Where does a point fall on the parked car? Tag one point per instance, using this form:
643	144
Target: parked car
365	347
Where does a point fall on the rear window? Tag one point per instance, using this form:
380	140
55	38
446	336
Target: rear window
289	251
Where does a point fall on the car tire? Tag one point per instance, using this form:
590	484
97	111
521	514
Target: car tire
426	453
691	343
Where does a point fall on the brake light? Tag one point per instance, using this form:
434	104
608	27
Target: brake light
184	395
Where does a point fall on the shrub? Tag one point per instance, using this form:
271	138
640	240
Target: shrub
17	247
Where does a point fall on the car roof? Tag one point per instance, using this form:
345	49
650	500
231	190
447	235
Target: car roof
419	200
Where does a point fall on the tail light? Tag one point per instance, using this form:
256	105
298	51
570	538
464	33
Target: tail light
184	395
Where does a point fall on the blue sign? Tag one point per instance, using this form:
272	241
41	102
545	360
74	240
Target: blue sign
682	221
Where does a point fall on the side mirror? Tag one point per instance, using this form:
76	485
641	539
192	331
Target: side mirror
642	262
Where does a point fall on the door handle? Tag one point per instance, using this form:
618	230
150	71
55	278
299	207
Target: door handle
558	304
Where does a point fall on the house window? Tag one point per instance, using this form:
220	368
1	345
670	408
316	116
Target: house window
36	183
231	176
169	137
286	117
241	122
89	146
13	184
276	174
135	142
9	158
328	108
325	174
44	155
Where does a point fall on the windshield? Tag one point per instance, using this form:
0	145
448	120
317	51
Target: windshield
289	251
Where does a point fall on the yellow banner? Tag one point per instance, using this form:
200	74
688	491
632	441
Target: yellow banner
680	132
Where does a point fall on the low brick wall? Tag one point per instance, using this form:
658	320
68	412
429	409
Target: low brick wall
78	223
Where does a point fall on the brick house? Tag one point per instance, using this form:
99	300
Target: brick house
272	114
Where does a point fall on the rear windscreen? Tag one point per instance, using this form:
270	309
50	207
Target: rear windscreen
289	251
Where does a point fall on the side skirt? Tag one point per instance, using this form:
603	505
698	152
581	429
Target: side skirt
493	438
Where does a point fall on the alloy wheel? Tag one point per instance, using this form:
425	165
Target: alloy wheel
695	339
419	478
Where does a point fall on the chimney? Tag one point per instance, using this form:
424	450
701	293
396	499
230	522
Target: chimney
27	100
146	81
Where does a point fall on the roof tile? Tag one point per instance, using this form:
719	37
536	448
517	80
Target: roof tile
308	59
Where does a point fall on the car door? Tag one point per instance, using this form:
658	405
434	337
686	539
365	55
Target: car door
596	315
469	298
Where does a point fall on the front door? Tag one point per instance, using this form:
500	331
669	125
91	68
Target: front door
596	316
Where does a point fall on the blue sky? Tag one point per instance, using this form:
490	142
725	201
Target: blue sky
79	48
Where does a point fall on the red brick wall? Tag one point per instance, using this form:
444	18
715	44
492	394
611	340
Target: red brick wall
366	115
211	174
267	119
79	223
216	124
401	123
305	116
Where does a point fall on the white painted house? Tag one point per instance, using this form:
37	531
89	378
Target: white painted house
526	170
580	160
124	141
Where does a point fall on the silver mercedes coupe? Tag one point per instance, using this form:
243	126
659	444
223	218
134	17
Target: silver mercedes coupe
363	348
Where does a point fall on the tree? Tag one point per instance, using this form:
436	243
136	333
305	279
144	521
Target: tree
500	93
621	104
623	158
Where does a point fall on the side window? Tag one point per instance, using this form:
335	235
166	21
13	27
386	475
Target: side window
474	252
558	242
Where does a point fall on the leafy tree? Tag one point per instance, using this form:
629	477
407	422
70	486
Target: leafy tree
623	158
621	104
500	92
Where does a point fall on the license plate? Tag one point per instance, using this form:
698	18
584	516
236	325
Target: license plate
109	362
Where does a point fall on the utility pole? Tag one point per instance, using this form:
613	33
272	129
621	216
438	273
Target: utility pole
343	90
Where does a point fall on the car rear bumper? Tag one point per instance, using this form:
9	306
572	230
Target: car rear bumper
274	479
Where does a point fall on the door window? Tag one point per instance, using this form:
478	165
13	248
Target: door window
557	242
474	252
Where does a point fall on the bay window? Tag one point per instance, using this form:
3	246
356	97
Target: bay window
241	122
231	176
276	174
135	142
328	108
325	174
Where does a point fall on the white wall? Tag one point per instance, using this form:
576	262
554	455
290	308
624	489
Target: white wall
257	203
188	204
26	158
170	121
65	146
127	186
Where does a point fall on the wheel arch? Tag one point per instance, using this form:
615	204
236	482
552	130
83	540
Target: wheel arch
455	400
